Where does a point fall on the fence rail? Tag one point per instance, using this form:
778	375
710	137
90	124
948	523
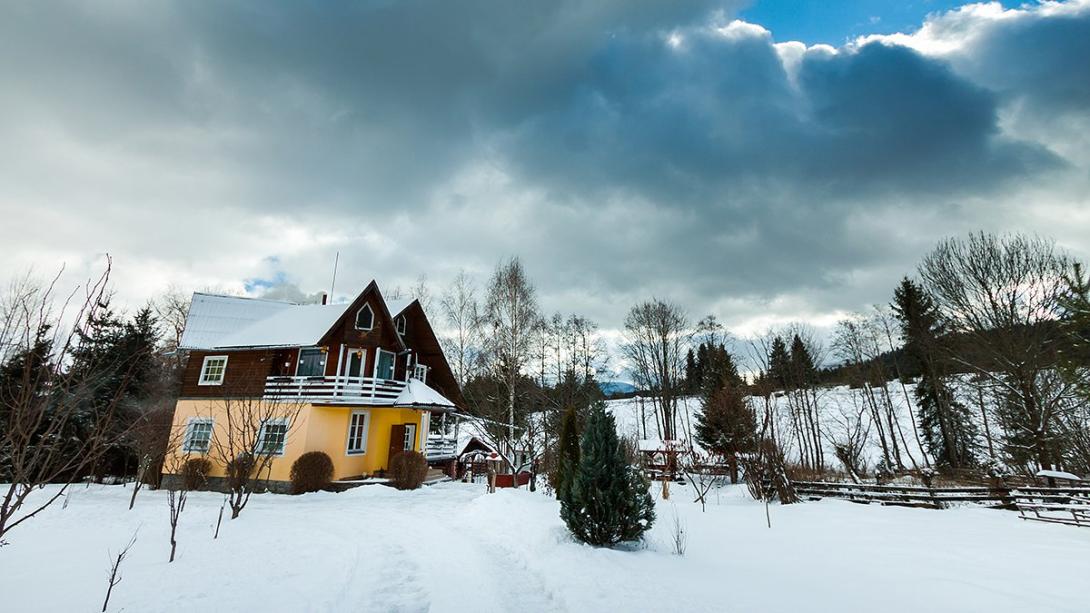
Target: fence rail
941	497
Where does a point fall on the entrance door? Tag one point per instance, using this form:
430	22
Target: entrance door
397	442
402	438
384	365
352	371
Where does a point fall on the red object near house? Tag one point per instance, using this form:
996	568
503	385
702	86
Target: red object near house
505	480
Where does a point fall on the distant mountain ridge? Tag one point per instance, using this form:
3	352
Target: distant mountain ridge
614	388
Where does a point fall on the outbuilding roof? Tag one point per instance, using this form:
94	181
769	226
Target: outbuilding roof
417	395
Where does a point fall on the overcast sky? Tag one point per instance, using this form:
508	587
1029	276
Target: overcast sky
623	148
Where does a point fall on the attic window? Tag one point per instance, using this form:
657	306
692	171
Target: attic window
365	318
401	325
212	370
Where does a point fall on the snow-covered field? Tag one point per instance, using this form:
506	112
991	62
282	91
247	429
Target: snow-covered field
452	547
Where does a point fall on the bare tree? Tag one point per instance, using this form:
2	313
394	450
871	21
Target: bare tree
42	401
859	342
462	319
172	308
150	439
848	433
704	471
511	315
249	433
421	291
1002	296
656	336
114	577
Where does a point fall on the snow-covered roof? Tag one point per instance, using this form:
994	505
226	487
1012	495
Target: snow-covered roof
399	305
657	444
1058	474
418	395
212	317
298	326
225	322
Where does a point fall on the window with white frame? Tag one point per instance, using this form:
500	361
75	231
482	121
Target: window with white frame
198	436
365	318
401	325
212	370
410	437
271	438
357	433
420	372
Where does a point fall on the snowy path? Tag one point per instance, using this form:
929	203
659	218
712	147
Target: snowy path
452	548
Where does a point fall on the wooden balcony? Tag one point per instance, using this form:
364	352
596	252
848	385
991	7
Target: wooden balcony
441	448
334	390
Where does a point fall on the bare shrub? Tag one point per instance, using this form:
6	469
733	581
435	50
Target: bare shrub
195	473
678	537
408	470
312	472
766	474
114	577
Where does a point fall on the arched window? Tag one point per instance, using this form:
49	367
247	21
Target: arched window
365	319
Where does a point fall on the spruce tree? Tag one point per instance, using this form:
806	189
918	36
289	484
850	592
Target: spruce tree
608	502
946	425
567	453
803	371
779	364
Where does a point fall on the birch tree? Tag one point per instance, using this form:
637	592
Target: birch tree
511	317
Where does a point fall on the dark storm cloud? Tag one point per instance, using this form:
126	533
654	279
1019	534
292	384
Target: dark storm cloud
623	148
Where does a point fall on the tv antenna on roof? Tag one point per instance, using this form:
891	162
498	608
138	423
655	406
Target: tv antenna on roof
332	285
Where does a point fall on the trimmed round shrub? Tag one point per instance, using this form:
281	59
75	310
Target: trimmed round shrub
195	473
408	470
312	472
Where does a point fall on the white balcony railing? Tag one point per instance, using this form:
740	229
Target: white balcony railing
343	390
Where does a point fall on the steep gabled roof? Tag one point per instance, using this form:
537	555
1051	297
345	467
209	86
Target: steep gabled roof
396	306
232	322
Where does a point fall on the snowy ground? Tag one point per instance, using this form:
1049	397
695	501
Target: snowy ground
451	547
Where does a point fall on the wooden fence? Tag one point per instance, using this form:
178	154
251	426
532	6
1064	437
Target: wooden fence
1015	497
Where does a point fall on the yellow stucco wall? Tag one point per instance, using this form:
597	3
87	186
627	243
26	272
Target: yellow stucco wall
317	428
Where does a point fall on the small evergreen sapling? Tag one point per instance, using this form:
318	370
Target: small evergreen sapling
608	502
567	454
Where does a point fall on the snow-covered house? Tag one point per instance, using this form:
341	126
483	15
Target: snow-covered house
364	377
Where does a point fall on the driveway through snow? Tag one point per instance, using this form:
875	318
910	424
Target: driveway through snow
452	547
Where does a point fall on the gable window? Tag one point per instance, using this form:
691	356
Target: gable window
271	438
401	325
198	435
311	362
365	318
357	433
213	369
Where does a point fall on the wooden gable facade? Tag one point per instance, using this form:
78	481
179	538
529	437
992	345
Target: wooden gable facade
249	368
